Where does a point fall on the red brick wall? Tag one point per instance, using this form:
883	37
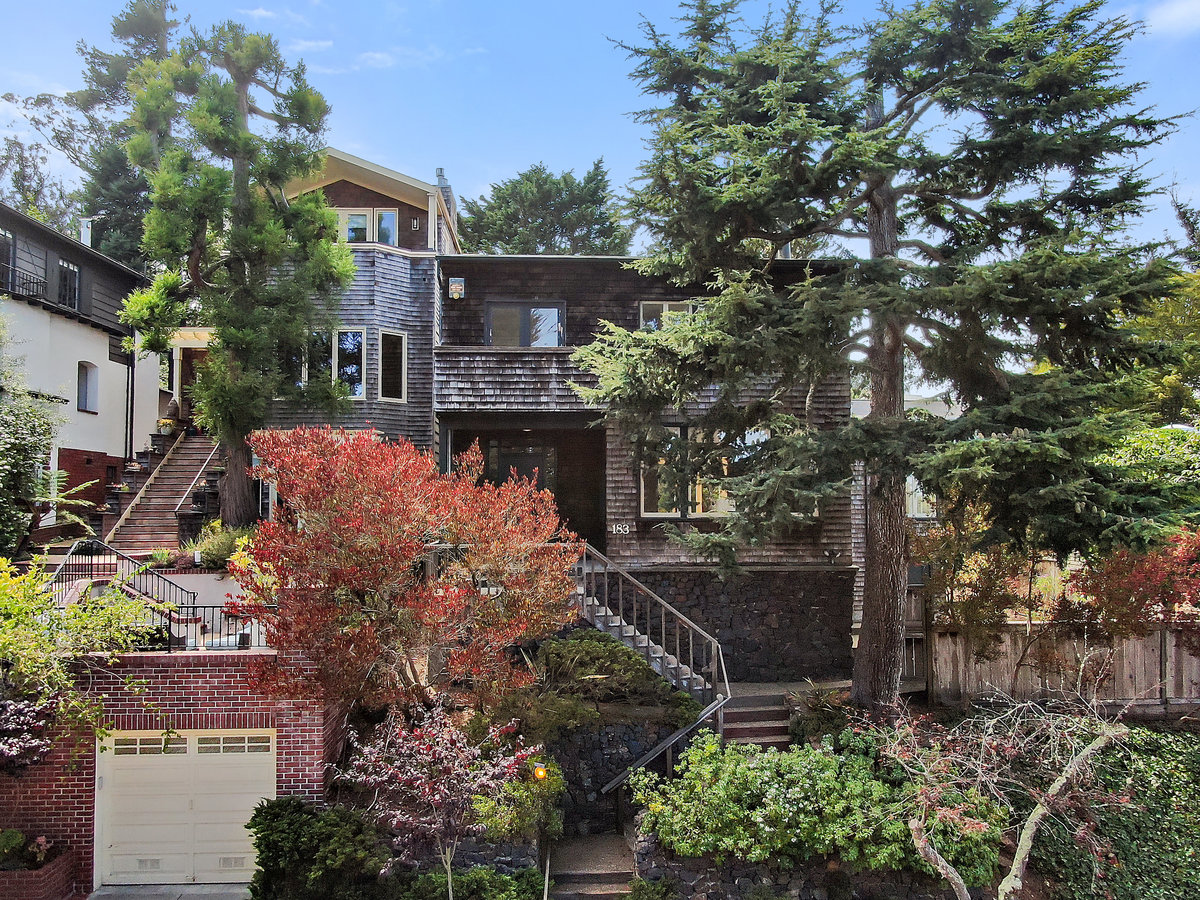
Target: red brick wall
196	690
83	466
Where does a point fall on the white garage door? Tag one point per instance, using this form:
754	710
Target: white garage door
174	810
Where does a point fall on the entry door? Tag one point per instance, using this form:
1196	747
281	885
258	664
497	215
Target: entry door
174	810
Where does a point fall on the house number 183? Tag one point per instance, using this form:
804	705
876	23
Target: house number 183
619	528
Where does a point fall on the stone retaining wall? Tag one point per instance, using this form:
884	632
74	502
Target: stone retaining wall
703	879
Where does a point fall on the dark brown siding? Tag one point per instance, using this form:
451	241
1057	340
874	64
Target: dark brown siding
347	195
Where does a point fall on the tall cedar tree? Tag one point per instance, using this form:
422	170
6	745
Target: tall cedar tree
541	213
237	254
983	153
89	127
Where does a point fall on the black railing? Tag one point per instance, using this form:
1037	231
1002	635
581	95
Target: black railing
21	284
173	620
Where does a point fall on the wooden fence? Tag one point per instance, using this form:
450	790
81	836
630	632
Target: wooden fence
1155	673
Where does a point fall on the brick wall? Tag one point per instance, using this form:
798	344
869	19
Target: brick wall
201	690
83	466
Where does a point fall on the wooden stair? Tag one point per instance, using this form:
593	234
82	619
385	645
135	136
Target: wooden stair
760	718
150	520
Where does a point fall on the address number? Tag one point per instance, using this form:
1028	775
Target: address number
619	528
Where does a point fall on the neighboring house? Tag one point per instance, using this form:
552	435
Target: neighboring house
59	299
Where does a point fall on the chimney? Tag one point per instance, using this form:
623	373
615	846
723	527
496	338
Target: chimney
447	194
85	230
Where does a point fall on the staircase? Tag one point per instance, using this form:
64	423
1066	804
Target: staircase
150	520
758	718
596	867
674	646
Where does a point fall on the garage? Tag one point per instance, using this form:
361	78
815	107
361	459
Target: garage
172	809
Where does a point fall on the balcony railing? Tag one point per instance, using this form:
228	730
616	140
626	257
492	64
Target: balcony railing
21	284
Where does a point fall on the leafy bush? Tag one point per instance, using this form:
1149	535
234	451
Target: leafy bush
480	883
817	713
582	670
19	852
305	853
527	807
217	544
756	806
1144	849
640	889
23	734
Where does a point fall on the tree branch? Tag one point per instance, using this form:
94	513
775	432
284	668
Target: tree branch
930	854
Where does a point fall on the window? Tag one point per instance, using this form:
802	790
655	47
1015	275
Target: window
524	325
361	226
919	506
88	388
68	284
661	499
393	366
349	361
7	246
653	314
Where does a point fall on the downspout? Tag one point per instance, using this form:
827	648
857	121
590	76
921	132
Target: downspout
129	389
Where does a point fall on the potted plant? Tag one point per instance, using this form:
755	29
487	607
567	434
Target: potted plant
167	426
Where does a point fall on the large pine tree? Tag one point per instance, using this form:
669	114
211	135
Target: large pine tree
223	126
974	161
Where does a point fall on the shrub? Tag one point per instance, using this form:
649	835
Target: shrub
525	808
640	889
479	883
217	544
305	853
756	806
23	734
1145	849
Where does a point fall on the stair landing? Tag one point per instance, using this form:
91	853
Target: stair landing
595	867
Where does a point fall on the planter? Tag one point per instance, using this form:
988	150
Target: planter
53	881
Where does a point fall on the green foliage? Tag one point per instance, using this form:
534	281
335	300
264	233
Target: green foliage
306	853
525	807
12	845
217	544
586	678
751	805
817	713
1145	849
538	212
42	643
641	889
479	883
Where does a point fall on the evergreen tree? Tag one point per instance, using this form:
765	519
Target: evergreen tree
981	153
237	254
538	212
89	127
27	185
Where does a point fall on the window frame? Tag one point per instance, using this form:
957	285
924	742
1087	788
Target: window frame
67	268
87	387
403	335
692	508
336	353
665	304
525	328
372	230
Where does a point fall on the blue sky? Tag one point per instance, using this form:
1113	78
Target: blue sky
485	89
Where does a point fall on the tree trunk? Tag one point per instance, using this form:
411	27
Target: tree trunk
237	495
878	661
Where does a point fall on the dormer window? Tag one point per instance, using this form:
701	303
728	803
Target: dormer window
367	226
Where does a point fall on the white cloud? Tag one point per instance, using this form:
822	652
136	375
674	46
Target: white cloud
258	13
376	60
1174	18
303	46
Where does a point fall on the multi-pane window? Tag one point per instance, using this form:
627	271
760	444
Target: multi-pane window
68	284
361	226
524	325
393	366
653	314
663	497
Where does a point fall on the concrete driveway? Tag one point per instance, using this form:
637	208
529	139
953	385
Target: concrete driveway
172	892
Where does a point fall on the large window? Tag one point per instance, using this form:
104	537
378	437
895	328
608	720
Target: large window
361	226
88	388
653	314
393	366
68	284
663	496
524	325
343	359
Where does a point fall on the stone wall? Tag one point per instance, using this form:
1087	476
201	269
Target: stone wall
590	758
703	879
773	624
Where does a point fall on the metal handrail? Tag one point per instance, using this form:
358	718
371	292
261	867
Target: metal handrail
128	511
659	749
675	631
196	480
83	562
21	283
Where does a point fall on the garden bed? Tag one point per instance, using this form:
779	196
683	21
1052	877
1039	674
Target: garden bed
53	881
